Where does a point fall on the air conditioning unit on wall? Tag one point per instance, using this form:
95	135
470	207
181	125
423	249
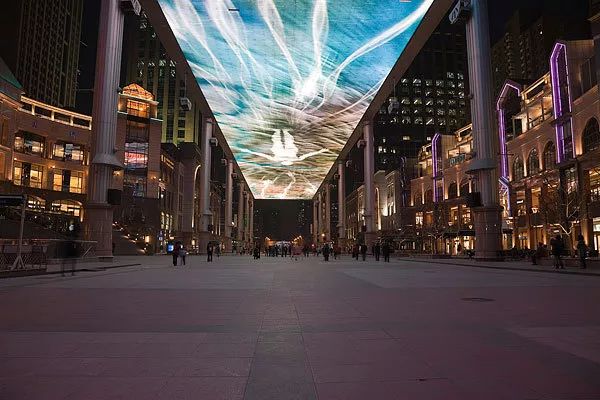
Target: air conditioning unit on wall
185	104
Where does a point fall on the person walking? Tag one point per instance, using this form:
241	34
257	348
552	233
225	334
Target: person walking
209	252
256	252
377	251
363	251
582	251
557	250
386	252
326	251
537	254
69	251
355	251
175	254
182	254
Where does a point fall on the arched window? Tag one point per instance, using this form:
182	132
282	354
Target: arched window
464	187
549	156
429	197
452	191
533	162
518	169
591	135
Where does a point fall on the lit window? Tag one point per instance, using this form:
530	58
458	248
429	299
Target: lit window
405	137
138	109
26	174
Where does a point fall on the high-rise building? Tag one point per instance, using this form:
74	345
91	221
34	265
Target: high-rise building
45	53
522	52
149	65
594	18
430	98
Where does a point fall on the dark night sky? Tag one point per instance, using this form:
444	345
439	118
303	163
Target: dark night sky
280	218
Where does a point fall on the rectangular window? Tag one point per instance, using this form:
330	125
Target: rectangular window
138	109
594	185
67	152
29	143
136	156
25	174
136	184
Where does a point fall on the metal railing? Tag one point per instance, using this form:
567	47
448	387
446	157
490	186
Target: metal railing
36	254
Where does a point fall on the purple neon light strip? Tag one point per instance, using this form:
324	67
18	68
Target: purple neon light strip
559	49
500	109
434	151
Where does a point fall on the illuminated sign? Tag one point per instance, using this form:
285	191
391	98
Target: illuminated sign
288	81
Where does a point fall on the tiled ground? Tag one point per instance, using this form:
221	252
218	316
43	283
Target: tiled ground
285	329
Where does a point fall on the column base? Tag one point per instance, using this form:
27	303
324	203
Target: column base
98	228
228	245
187	238
370	239
488	233
202	241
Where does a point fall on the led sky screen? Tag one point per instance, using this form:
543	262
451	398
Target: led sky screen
289	80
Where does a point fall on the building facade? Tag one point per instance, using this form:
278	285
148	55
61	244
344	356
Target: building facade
149	65
548	166
522	52
430	98
44	154
45	56
551	134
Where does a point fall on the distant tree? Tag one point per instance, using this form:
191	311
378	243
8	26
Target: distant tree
563	205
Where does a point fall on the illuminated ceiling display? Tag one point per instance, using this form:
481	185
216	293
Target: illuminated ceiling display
289	80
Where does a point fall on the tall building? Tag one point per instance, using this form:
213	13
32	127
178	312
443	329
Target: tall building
45	54
594	18
430	98
148	64
522	52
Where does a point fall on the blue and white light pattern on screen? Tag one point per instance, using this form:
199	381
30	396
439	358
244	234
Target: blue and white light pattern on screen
289	80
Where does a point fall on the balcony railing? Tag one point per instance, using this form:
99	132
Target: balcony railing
55	114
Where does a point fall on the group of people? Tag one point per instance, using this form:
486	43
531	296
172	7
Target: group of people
279	250
179	253
377	249
558	249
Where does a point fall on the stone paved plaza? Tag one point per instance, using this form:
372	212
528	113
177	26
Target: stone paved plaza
285	329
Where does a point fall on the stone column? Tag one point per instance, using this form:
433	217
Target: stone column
341	203
228	205
320	218
315	230
190	169
247	216
251	219
327	230
487	218
240	215
99	214
204	235
369	183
